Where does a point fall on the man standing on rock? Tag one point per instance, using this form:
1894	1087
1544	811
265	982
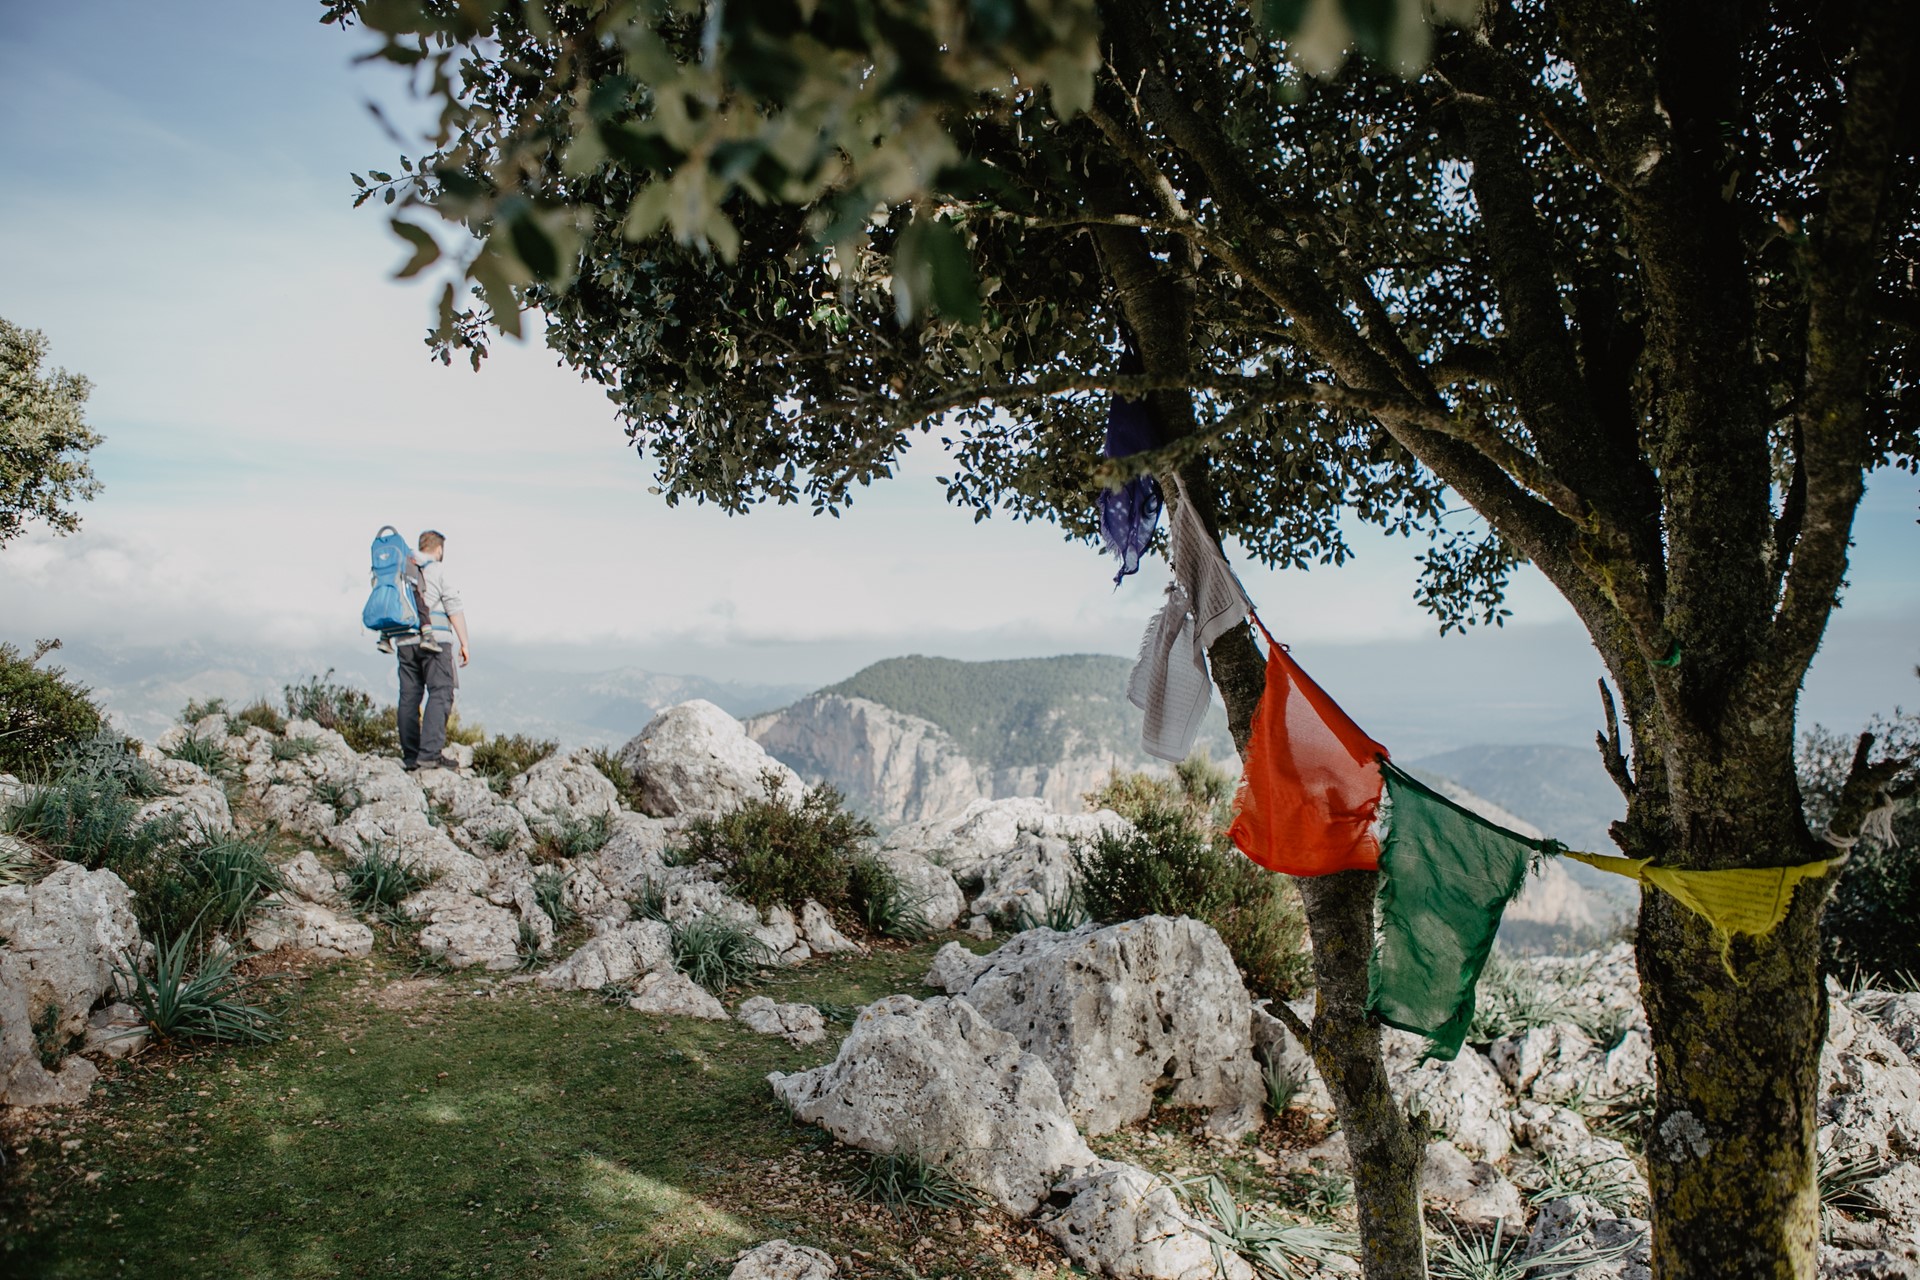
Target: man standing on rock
430	674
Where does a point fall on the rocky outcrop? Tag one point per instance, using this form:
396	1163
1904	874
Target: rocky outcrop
668	992
1120	1015
696	758
463	931
282	920
60	939
622	953
935	1079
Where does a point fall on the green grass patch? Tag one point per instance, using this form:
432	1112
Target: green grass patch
458	1126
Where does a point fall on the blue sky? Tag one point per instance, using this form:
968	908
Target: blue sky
175	216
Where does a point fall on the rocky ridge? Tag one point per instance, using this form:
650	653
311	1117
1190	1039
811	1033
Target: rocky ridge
1033	1048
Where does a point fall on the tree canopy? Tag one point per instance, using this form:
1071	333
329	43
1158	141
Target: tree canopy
44	438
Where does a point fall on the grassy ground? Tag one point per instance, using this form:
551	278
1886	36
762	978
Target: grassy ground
463	1126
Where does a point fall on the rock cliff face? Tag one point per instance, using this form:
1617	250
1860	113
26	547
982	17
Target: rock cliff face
899	768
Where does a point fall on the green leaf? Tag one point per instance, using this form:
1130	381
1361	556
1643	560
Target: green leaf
489	271
534	247
425	251
955	291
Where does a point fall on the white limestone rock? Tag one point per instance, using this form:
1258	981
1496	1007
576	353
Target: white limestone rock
695	898
1897	1013
780	1260
12	791
115	1031
1021	886
633	857
307	877
59	941
463	931
955	967
1559	1062
1118	1013
1119	1220
1869	1089
931	888
817	928
1596	1230
936	1079
666	991
1464	1099
985	830
1470	1191
301	925
564	788
475	810
798	1024
200	809
1866	1264
619	955
1551	1132
695	758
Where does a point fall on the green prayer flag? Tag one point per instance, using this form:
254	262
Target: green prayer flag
1446	874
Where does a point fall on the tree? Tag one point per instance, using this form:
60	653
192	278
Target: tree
1633	281
44	438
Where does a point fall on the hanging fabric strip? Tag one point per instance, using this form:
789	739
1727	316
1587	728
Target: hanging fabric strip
1447	874
1734	900
1129	514
1310	789
1167	685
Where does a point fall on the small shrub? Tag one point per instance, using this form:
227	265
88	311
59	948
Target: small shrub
261	714
293	748
18	861
1460	1256
380	878
465	734
571	837
191	997
352	713
1513	997
772	852
650	903
43	714
1176	863
882	900
527	946
1608	1180
209	755
1274	1246
619	775
1060	912
1282	1087
108	755
550	893
716	952
1320	1195
195	711
340	796
239	873
502	757
1842	1174
87	816
907	1180
498	840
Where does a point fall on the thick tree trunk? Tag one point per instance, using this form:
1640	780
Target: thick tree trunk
1382	1150
1730	1153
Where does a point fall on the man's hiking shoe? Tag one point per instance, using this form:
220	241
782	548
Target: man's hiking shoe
428	644
384	644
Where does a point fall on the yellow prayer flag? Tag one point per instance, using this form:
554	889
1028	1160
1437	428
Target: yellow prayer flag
1736	900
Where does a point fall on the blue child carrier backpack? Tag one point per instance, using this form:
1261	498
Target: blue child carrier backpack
389	608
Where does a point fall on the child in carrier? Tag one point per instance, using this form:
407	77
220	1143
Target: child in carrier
388	546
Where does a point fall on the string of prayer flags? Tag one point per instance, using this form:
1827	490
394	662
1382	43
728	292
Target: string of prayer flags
1447	874
1170	681
1129	514
1310	788
1733	900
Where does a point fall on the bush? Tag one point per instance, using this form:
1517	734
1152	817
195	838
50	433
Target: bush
550	895
261	714
380	878
86	815
907	1180
619	775
195	711
182	1001
352	713
293	748
18	862
882	901
502	756
1871	928
715	951
464	734
211	756
1178	862
238	874
42	713
571	837
772	852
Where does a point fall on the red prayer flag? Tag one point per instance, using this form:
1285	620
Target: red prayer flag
1311	786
